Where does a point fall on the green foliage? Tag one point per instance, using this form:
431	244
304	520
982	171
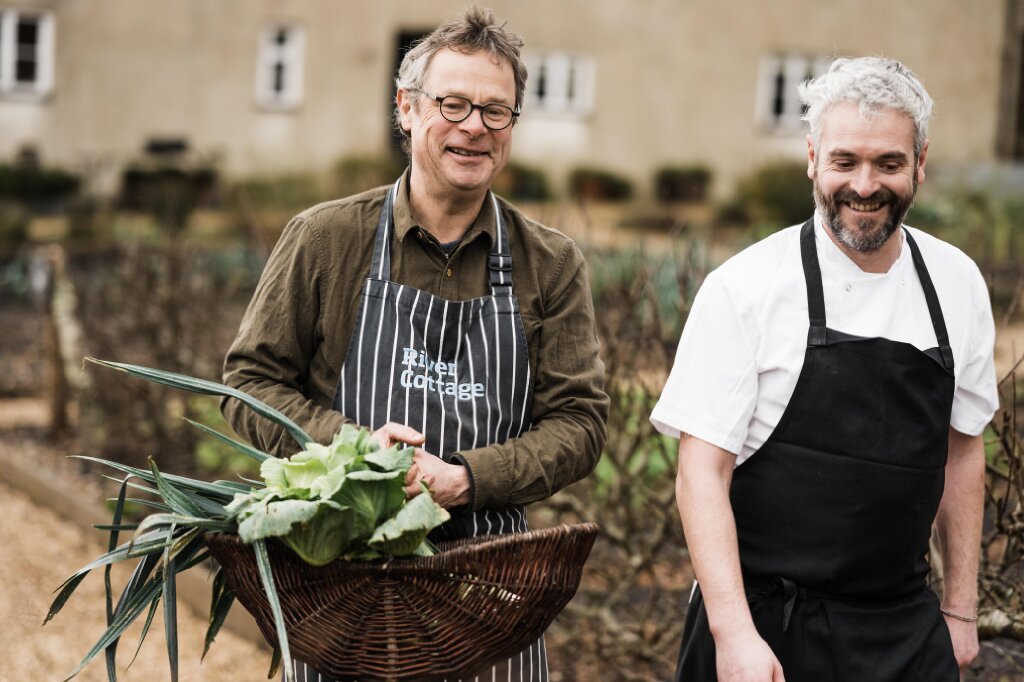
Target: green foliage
778	194
288	192
599	185
169	193
651	460
355	174
660	284
84	219
682	183
989	228
14	221
520	182
36	186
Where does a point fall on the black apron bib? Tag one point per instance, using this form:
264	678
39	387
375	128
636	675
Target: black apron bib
456	371
834	512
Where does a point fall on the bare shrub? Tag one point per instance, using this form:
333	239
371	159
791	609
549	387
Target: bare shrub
169	307
1001	574
626	619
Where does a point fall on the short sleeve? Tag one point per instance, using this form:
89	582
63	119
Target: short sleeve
712	389
976	398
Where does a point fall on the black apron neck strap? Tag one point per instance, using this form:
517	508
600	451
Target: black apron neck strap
499	264
380	266
817	334
934	309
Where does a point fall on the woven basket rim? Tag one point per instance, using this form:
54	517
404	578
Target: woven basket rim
451	549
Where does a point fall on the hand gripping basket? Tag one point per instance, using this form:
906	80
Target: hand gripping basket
478	601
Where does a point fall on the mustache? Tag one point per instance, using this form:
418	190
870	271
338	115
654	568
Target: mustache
883	195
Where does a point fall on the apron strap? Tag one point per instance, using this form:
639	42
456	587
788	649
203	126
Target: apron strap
380	266
499	262
817	335
934	308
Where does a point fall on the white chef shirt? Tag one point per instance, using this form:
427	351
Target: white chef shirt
744	341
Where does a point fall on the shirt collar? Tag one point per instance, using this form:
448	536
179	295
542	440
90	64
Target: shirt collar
405	222
829	251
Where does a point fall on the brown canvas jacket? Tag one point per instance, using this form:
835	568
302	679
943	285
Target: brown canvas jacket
296	331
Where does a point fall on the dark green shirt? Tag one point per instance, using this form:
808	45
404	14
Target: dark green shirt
296	332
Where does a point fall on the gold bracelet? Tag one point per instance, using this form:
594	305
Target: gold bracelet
957	616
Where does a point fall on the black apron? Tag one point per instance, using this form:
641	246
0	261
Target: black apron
456	371
834	512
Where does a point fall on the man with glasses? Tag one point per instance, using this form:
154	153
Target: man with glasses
435	313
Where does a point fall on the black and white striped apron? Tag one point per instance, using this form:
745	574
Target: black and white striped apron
456	371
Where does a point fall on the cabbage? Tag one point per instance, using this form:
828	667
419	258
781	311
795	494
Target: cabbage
343	499
402	534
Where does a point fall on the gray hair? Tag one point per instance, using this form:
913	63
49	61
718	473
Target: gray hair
874	83
476	31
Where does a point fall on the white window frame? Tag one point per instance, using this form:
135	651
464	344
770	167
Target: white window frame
44	77
568	83
291	57
794	68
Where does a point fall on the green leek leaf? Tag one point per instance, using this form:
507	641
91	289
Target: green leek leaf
145	629
194	385
221	600
245	448
170	605
267	576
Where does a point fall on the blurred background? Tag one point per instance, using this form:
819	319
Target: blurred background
151	153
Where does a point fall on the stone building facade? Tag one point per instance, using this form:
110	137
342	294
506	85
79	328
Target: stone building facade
268	86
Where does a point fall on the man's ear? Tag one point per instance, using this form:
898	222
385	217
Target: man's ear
810	157
404	101
920	162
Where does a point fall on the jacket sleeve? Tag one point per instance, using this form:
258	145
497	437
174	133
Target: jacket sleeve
271	355
570	407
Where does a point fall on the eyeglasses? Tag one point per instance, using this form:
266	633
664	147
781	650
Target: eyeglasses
457	109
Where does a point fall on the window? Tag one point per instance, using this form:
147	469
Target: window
26	53
279	68
778	104
559	83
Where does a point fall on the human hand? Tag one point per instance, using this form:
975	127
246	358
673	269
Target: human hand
745	657
448	483
392	433
965	641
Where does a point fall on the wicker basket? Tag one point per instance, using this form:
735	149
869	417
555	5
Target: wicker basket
475	603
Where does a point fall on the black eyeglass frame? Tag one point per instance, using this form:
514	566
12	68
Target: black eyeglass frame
469	112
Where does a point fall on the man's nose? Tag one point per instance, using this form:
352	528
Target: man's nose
865	180
473	124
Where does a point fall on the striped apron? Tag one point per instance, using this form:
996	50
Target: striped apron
458	372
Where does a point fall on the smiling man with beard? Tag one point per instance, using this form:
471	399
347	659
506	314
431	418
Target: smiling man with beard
436	314
829	392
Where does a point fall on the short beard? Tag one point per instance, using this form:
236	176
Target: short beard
869	235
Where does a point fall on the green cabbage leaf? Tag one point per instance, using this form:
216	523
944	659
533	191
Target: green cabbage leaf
345	499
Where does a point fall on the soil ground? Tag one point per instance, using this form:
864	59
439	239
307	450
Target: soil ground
40	550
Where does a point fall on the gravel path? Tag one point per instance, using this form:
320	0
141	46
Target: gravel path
39	550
